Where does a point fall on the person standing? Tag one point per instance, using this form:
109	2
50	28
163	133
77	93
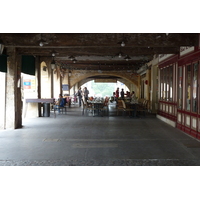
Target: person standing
85	93
122	93
79	96
117	93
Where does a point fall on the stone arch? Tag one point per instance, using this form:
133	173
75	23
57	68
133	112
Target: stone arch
45	80
79	75
50	80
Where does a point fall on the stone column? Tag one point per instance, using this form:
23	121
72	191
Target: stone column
50	75
154	89
13	104
69	80
19	102
38	78
61	82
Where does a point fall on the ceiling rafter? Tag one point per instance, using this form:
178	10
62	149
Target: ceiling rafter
94	49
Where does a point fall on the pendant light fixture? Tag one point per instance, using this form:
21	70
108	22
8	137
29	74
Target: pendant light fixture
123	44
120	53
71	57
74	60
123	41
42	42
127	58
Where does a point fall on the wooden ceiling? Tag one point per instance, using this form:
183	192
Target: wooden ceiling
99	51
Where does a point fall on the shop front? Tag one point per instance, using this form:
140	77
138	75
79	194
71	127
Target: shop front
179	77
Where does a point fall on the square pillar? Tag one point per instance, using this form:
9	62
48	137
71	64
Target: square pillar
13	103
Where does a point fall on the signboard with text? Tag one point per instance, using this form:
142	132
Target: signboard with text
27	84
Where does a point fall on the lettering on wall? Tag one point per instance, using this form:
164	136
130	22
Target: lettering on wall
186	50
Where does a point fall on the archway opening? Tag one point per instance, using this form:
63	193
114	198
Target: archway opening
103	89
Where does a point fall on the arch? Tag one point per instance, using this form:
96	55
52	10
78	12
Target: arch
50	80
45	80
80	75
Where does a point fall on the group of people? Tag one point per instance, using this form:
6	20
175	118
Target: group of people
82	94
62	101
121	94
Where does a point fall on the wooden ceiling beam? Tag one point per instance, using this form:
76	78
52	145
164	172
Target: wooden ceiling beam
99	39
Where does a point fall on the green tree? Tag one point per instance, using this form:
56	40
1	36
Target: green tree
103	88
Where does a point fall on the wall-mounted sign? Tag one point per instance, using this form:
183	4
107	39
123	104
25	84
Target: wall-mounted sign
27	84
164	56
185	50
65	87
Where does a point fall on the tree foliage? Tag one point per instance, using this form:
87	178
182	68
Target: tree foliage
103	88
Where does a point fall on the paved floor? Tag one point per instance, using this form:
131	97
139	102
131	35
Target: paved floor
76	140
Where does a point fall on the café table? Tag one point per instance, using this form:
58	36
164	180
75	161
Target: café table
39	101
95	106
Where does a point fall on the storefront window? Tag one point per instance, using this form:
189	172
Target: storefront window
188	87
194	89
166	82
161	84
170	82
180	87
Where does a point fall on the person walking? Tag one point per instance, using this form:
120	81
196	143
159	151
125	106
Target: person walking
79	94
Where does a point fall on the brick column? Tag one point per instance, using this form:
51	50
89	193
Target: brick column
13	104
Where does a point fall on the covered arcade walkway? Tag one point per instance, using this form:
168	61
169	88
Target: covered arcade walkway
78	140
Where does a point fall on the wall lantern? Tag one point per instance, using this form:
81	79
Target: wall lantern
45	68
70	73
53	64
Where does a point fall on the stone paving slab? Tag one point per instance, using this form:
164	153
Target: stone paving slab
76	140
